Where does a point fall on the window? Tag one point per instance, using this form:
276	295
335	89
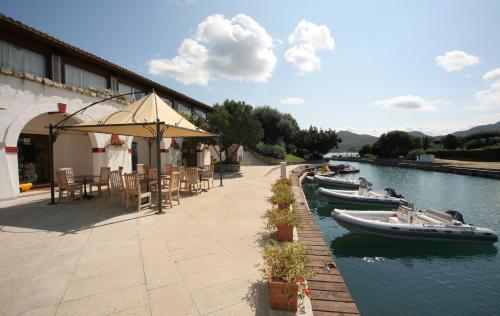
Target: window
77	77
200	113
183	108
167	101
123	88
21	59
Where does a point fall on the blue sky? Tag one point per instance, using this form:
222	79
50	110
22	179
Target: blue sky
367	66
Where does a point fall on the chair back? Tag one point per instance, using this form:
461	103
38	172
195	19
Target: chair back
140	169
208	171
116	180
175	181
104	175
62	178
182	171
192	174
70	176
153	173
132	184
167	168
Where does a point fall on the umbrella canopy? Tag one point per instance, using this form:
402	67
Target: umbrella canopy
139	119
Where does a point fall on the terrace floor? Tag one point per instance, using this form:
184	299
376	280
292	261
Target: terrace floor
93	257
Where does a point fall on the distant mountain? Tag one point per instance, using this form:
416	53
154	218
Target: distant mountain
417	134
480	128
354	142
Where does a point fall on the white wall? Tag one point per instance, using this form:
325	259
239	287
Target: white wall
25	100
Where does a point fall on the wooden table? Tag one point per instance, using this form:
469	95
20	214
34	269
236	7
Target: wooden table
83	179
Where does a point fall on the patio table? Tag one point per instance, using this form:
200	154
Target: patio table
83	179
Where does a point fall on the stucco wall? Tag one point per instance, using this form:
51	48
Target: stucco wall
25	100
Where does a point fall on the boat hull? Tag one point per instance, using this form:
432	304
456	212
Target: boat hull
358	200
415	232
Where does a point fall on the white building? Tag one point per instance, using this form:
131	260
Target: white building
43	80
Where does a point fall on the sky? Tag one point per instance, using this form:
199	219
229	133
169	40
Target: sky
364	66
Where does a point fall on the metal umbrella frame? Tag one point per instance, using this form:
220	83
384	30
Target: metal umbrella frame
154	129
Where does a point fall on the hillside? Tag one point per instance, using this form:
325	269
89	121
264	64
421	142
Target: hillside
354	142
480	128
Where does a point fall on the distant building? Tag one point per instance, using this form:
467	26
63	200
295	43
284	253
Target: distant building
41	80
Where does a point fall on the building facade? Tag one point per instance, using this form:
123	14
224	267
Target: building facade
42	81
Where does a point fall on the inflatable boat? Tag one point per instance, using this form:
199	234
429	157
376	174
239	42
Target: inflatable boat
363	196
336	181
408	224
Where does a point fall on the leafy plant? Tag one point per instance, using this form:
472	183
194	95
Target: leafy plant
282	184
277	217
286	262
283	198
275	151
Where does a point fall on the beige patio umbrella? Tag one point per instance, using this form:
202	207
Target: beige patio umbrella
147	117
140	118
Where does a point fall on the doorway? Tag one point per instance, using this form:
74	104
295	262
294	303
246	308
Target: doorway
33	158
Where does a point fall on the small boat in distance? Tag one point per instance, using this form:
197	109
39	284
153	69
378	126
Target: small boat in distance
405	223
336	181
387	198
341	167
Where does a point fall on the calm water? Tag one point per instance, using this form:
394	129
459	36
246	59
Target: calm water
392	277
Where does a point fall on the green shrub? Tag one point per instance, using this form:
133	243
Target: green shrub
275	151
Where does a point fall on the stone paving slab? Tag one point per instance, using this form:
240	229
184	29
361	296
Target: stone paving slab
95	258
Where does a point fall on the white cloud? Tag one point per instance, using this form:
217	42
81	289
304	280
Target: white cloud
308	38
409	102
456	60
489	99
293	101
237	48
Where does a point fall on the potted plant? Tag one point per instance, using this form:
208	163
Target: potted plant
281	184
285	270
283	198
283	221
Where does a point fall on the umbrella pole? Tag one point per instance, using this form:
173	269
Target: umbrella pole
158	160
51	164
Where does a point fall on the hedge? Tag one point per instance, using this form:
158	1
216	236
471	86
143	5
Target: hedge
275	151
485	154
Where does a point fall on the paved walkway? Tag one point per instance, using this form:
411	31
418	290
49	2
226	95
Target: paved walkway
94	258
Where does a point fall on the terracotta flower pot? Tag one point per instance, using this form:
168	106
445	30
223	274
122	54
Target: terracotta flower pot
283	206
285	232
283	296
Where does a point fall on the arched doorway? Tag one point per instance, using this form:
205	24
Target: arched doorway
143	151
71	149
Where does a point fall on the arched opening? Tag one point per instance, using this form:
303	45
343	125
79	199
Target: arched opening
71	149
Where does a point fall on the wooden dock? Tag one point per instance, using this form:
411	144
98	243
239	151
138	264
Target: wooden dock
330	294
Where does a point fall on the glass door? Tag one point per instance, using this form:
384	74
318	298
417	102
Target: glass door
33	158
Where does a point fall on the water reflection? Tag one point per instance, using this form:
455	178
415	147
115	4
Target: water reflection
361	246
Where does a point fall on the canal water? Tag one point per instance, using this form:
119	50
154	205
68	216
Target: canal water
393	277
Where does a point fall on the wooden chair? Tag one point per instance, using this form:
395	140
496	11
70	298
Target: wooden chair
140	169
64	184
192	180
153	179
208	175
69	174
133	190
103	181
116	184
173	188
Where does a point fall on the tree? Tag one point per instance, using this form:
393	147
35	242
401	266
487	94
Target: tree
366	149
279	128
395	144
426	142
450	142
235	123
316	142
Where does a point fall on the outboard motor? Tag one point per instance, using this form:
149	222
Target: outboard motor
456	215
392	193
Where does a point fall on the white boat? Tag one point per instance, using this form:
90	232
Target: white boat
362	196
408	224
335	181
